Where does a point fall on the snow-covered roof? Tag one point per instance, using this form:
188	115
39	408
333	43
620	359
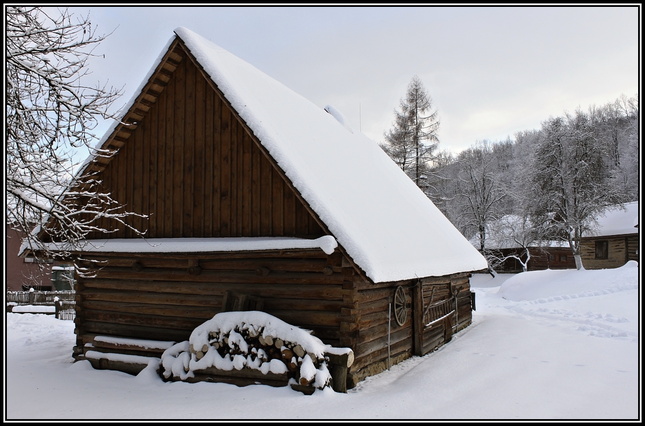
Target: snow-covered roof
326	243
386	224
506	232
617	221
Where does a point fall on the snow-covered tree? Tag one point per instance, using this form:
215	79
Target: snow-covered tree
440	188
588	159
50	115
617	125
570	178
509	232
479	190
413	138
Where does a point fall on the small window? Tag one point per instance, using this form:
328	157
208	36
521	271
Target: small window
563	258
601	249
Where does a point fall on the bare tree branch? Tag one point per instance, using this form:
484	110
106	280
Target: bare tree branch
50	114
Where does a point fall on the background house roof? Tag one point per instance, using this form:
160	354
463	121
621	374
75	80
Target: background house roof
617	221
386	224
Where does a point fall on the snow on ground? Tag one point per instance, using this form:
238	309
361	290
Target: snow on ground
543	345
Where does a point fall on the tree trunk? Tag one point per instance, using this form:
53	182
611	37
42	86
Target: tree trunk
578	260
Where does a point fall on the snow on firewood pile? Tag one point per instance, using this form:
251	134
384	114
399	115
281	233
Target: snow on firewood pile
255	340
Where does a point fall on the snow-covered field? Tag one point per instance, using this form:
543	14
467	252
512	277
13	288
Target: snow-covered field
543	345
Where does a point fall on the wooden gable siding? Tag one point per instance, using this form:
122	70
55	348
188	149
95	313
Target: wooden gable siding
192	165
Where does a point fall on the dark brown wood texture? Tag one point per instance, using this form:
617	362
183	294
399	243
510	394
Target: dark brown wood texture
192	165
620	250
164	297
455	290
541	258
378	341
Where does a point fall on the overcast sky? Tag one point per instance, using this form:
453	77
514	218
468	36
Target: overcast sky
490	71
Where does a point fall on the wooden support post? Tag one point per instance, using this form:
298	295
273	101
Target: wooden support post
338	366
417	318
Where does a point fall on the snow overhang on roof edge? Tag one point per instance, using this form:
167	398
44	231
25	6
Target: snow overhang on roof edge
326	243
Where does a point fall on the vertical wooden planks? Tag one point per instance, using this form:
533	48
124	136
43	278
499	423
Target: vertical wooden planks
106	184
209	144
235	178
169	169
417	319
129	178
278	201
140	177
246	189
256	188
216	208
194	166
199	154
153	171
160	148
179	152
188	145
225	174
266	195
290	219
118	172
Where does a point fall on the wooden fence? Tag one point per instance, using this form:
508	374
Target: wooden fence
62	300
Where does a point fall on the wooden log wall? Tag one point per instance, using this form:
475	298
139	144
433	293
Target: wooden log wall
553	258
373	321
632	247
620	249
164	297
374	350
446	288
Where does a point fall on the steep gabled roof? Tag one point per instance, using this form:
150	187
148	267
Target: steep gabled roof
386	224
382	220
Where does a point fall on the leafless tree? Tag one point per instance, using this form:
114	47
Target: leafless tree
480	190
50	115
515	237
556	179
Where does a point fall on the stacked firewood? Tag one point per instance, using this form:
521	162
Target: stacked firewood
256	348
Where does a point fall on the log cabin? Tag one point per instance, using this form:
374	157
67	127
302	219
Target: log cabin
614	238
23	273
258	199
554	256
508	240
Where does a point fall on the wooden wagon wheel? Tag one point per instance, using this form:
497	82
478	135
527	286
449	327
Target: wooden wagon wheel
400	306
